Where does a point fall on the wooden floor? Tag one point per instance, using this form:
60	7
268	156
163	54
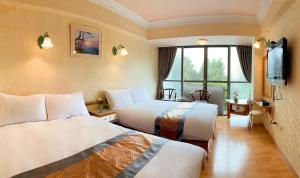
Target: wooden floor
238	154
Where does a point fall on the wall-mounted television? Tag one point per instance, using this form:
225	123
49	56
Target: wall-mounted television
277	63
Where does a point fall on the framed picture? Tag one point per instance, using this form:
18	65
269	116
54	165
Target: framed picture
85	41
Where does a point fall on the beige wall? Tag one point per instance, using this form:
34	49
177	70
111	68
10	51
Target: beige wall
26	69
204	30
286	23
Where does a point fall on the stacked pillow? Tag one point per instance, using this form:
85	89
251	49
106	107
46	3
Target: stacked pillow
126	97
19	109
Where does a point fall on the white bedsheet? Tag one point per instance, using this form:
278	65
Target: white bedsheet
30	145
199	123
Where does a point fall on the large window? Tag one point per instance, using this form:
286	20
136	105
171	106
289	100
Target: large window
216	68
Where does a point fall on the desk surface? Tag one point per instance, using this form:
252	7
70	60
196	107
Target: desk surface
240	101
260	104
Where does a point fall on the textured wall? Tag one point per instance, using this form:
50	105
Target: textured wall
286	111
26	69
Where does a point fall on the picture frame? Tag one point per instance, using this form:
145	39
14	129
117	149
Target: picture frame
85	41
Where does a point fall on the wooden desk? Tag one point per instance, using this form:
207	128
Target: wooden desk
240	108
268	109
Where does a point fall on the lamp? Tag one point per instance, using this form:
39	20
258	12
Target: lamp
267	43
44	41
202	41
119	49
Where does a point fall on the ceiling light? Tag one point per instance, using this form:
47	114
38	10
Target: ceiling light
202	41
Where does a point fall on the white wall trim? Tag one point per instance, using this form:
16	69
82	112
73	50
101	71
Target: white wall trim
121	10
263	10
124	12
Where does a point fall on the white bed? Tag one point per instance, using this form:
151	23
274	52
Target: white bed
30	145
199	123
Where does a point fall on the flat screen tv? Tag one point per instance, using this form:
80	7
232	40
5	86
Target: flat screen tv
277	63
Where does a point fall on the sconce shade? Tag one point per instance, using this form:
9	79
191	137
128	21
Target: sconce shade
47	44
256	44
44	41
123	52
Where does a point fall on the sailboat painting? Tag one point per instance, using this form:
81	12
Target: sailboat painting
85	41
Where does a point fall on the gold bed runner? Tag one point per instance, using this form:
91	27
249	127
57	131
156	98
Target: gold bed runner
122	156
170	124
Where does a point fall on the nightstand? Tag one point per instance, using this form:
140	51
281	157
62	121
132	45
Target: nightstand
106	114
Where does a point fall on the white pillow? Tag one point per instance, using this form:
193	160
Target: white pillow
139	94
65	105
118	98
19	109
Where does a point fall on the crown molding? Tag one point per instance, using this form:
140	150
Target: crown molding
124	12
37	8
263	10
121	10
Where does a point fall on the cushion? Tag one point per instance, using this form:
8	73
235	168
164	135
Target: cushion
139	95
61	106
118	98
19	109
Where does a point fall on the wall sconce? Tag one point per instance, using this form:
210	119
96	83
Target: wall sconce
44	41
120	49
267	43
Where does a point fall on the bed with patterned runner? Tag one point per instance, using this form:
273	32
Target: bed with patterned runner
121	156
170	124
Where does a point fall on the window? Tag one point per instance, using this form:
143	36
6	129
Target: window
193	64
217	64
238	81
193	70
174	78
216	68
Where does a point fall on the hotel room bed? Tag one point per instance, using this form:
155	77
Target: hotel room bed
28	148
192	122
199	123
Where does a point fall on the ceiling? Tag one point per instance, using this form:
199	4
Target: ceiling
161	13
153	10
212	40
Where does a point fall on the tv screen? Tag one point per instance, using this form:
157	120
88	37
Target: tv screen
277	56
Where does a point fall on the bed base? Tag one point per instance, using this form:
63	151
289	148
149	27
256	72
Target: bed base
205	144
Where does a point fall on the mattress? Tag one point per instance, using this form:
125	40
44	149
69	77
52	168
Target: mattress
28	146
199	123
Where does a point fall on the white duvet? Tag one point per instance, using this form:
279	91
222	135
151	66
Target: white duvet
199	123
30	145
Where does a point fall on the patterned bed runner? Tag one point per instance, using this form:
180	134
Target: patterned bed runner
122	156
170	124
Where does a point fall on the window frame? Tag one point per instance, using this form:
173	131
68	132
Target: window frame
205	80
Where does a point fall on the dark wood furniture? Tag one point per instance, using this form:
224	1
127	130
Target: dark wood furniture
241	107
168	94
106	114
202	95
